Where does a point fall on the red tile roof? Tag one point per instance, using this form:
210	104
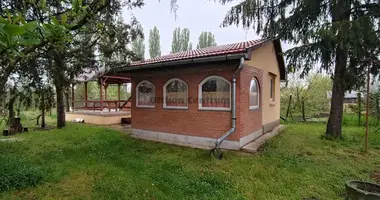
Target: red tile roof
240	47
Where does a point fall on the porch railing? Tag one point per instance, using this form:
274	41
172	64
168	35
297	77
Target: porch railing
100	105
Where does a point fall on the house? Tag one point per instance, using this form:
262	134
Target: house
350	97
224	96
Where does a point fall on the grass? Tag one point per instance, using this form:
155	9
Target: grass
88	162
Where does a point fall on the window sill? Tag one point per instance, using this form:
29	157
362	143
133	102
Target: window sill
213	109
272	103
174	108
252	108
144	106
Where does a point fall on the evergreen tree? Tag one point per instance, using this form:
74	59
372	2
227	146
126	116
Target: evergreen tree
181	40
154	43
342	36
206	39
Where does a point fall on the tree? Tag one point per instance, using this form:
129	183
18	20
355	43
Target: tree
154	43
206	39
64	35
342	36
138	47
181	40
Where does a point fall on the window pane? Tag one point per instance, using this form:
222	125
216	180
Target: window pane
176	94
216	93
254	93
145	94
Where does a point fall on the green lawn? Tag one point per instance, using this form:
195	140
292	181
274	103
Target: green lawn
87	162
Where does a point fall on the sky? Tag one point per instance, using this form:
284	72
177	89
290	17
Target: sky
196	15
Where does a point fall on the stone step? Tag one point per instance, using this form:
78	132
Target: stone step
253	146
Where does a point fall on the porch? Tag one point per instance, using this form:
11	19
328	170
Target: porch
107	109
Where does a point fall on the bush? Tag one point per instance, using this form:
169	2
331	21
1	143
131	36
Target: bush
16	173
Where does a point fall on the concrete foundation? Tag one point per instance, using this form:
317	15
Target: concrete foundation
193	141
99	118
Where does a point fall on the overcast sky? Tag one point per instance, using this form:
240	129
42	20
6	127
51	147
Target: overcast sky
196	15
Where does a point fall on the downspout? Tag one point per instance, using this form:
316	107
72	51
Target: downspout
233	107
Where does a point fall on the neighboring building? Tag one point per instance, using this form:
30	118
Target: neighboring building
350	97
188	98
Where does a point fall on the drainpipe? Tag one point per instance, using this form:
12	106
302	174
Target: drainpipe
233	109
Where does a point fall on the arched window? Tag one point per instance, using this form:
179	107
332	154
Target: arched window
145	94
254	94
215	94
175	94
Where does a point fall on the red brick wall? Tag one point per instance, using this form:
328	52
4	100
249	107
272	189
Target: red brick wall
192	121
248	120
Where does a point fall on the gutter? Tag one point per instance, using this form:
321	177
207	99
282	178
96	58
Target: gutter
184	62
216	151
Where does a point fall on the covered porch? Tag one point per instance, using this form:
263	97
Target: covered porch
105	108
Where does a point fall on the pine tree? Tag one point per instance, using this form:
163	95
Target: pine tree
206	39
342	36
154	43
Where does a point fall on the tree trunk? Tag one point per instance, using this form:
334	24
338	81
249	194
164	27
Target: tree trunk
359	108
67	98
43	124
334	124
61	120
11	112
340	13
59	79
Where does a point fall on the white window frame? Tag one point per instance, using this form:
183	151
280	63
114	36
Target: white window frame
137	95
187	95
200	107
258	94
272	87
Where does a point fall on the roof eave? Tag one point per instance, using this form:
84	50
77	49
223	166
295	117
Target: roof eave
233	56
280	59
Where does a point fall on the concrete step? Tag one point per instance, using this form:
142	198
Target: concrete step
253	146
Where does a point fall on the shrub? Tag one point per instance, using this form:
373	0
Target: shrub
16	173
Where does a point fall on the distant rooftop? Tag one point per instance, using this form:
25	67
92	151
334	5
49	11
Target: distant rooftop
347	95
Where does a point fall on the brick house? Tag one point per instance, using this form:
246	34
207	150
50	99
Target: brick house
224	96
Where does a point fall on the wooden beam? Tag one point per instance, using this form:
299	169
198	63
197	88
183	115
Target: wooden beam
101	94
85	94
72	96
105	91
118	96
118	77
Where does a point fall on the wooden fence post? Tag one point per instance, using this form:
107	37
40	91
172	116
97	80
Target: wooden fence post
303	109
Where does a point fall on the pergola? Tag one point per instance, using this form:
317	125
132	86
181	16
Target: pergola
103	102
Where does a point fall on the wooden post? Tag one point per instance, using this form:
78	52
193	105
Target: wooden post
105	96
303	109
101	94
366	115
105	91
72	98
85	95
118	96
